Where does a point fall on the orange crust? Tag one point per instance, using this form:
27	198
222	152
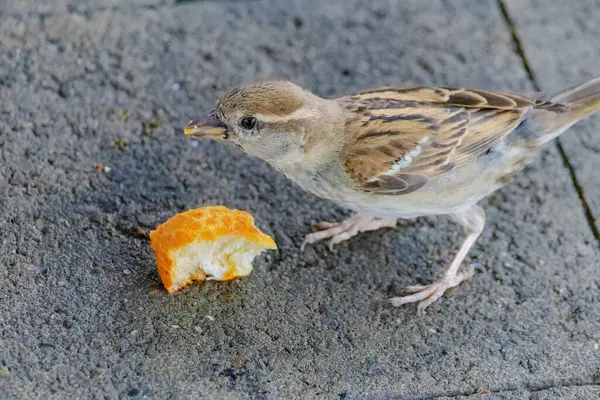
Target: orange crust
201	224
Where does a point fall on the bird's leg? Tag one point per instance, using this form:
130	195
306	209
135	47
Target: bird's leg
340	231
473	219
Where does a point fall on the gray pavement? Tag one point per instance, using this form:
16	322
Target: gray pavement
82	312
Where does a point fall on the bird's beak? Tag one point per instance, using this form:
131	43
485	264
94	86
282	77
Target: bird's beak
209	126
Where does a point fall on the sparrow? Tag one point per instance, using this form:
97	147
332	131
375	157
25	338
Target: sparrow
393	153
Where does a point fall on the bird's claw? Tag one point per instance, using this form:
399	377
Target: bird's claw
426	295
340	231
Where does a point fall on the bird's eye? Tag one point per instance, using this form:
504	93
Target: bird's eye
248	123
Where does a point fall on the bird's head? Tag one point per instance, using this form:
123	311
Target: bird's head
277	121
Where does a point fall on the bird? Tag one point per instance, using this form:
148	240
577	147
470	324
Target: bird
394	153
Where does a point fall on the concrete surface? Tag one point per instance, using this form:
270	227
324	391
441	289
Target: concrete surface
82	313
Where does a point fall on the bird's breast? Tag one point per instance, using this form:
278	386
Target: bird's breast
448	193
320	183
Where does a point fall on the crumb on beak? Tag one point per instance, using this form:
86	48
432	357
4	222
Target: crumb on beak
209	126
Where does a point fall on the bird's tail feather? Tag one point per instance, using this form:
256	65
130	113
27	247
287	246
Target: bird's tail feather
581	101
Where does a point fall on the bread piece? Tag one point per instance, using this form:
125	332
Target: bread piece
210	243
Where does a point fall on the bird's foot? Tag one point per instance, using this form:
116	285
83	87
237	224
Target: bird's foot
339	231
426	295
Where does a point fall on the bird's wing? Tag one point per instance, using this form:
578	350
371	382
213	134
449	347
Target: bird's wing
402	137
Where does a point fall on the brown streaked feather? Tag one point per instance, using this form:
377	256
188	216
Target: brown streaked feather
405	136
396	184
